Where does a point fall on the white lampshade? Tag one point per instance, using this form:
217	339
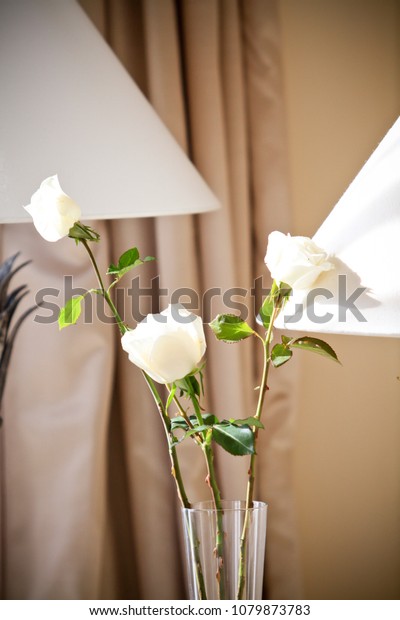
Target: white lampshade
68	107
362	234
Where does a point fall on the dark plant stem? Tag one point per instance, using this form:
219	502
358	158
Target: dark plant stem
176	473
197	437
216	495
252	467
104	292
175	467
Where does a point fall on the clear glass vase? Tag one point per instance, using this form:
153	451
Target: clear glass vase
210	578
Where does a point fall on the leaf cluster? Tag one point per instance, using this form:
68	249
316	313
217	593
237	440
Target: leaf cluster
127	261
234	436
70	313
231	328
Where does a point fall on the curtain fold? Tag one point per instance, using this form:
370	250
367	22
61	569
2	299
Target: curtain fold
270	200
95	515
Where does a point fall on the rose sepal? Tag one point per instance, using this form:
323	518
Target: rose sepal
82	232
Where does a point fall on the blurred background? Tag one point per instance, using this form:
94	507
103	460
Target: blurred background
279	103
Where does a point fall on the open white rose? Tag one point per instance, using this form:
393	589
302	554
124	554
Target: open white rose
296	261
52	211
167	346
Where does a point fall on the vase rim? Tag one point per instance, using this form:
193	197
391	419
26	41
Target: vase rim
227	505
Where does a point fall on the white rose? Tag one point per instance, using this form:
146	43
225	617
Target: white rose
167	346
296	261
52	211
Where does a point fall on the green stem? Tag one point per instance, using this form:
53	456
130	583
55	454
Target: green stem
251	478
195	544
197	437
216	495
104	292
175	468
219	547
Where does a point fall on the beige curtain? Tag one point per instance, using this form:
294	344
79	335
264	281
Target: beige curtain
91	507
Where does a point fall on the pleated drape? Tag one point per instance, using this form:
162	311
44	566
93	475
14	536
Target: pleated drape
91	505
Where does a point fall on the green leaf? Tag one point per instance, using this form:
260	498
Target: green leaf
280	354
237	440
208	418
198	429
70	313
170	397
127	261
201	381
250	421
179	422
230	328
315	345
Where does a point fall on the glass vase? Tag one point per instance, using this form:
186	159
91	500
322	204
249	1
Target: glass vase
215	578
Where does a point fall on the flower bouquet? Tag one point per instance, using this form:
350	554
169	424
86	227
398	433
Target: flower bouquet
224	540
